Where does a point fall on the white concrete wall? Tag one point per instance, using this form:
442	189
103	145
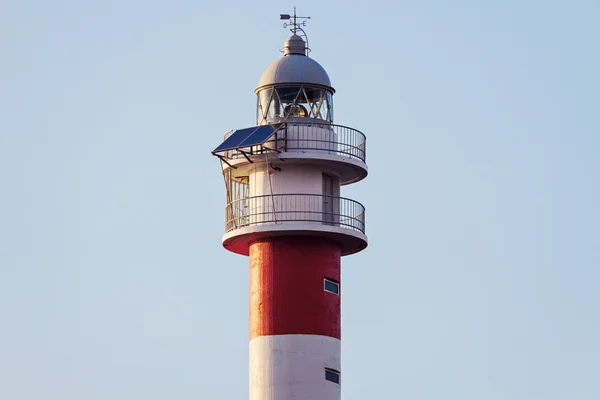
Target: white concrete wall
304	136
292	367
291	179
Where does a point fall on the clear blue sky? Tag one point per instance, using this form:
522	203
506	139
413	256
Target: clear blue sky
481	280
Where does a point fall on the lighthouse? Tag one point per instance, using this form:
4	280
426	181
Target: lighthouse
285	210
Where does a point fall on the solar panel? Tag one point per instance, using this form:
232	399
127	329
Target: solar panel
247	137
235	139
259	136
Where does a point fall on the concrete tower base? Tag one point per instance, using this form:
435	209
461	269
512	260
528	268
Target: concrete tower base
294	322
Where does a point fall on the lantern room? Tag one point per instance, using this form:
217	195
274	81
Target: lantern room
294	86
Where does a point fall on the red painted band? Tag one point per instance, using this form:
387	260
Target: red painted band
286	287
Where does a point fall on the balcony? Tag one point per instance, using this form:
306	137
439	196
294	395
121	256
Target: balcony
310	136
333	217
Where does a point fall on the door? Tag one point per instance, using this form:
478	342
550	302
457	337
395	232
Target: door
328	200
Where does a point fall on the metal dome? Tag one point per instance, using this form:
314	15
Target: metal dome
294	67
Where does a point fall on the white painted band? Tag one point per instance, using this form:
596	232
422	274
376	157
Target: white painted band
293	367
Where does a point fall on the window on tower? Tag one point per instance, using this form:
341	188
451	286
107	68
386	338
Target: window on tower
332	375
332	286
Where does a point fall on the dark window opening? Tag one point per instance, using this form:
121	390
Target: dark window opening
332	375
331	286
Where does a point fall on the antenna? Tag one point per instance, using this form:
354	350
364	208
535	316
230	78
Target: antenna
295	24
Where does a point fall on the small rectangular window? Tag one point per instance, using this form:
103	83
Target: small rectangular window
332	286
332	375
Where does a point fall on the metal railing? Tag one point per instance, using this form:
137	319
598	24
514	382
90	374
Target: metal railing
314	136
288	208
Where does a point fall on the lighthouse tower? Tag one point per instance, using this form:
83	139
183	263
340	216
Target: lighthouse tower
284	209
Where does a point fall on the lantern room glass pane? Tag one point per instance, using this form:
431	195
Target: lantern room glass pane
294	101
289	94
329	106
264	101
275	108
314	94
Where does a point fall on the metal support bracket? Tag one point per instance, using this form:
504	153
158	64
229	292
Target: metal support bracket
225	161
246	155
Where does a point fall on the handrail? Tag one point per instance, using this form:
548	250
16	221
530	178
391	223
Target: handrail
314	136
286	208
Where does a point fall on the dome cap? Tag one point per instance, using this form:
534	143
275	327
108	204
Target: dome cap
295	67
294	45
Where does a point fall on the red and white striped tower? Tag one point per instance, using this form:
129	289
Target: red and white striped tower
284	210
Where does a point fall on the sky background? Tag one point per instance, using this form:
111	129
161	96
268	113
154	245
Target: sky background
481	279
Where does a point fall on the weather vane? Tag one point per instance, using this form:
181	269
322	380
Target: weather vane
295	25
